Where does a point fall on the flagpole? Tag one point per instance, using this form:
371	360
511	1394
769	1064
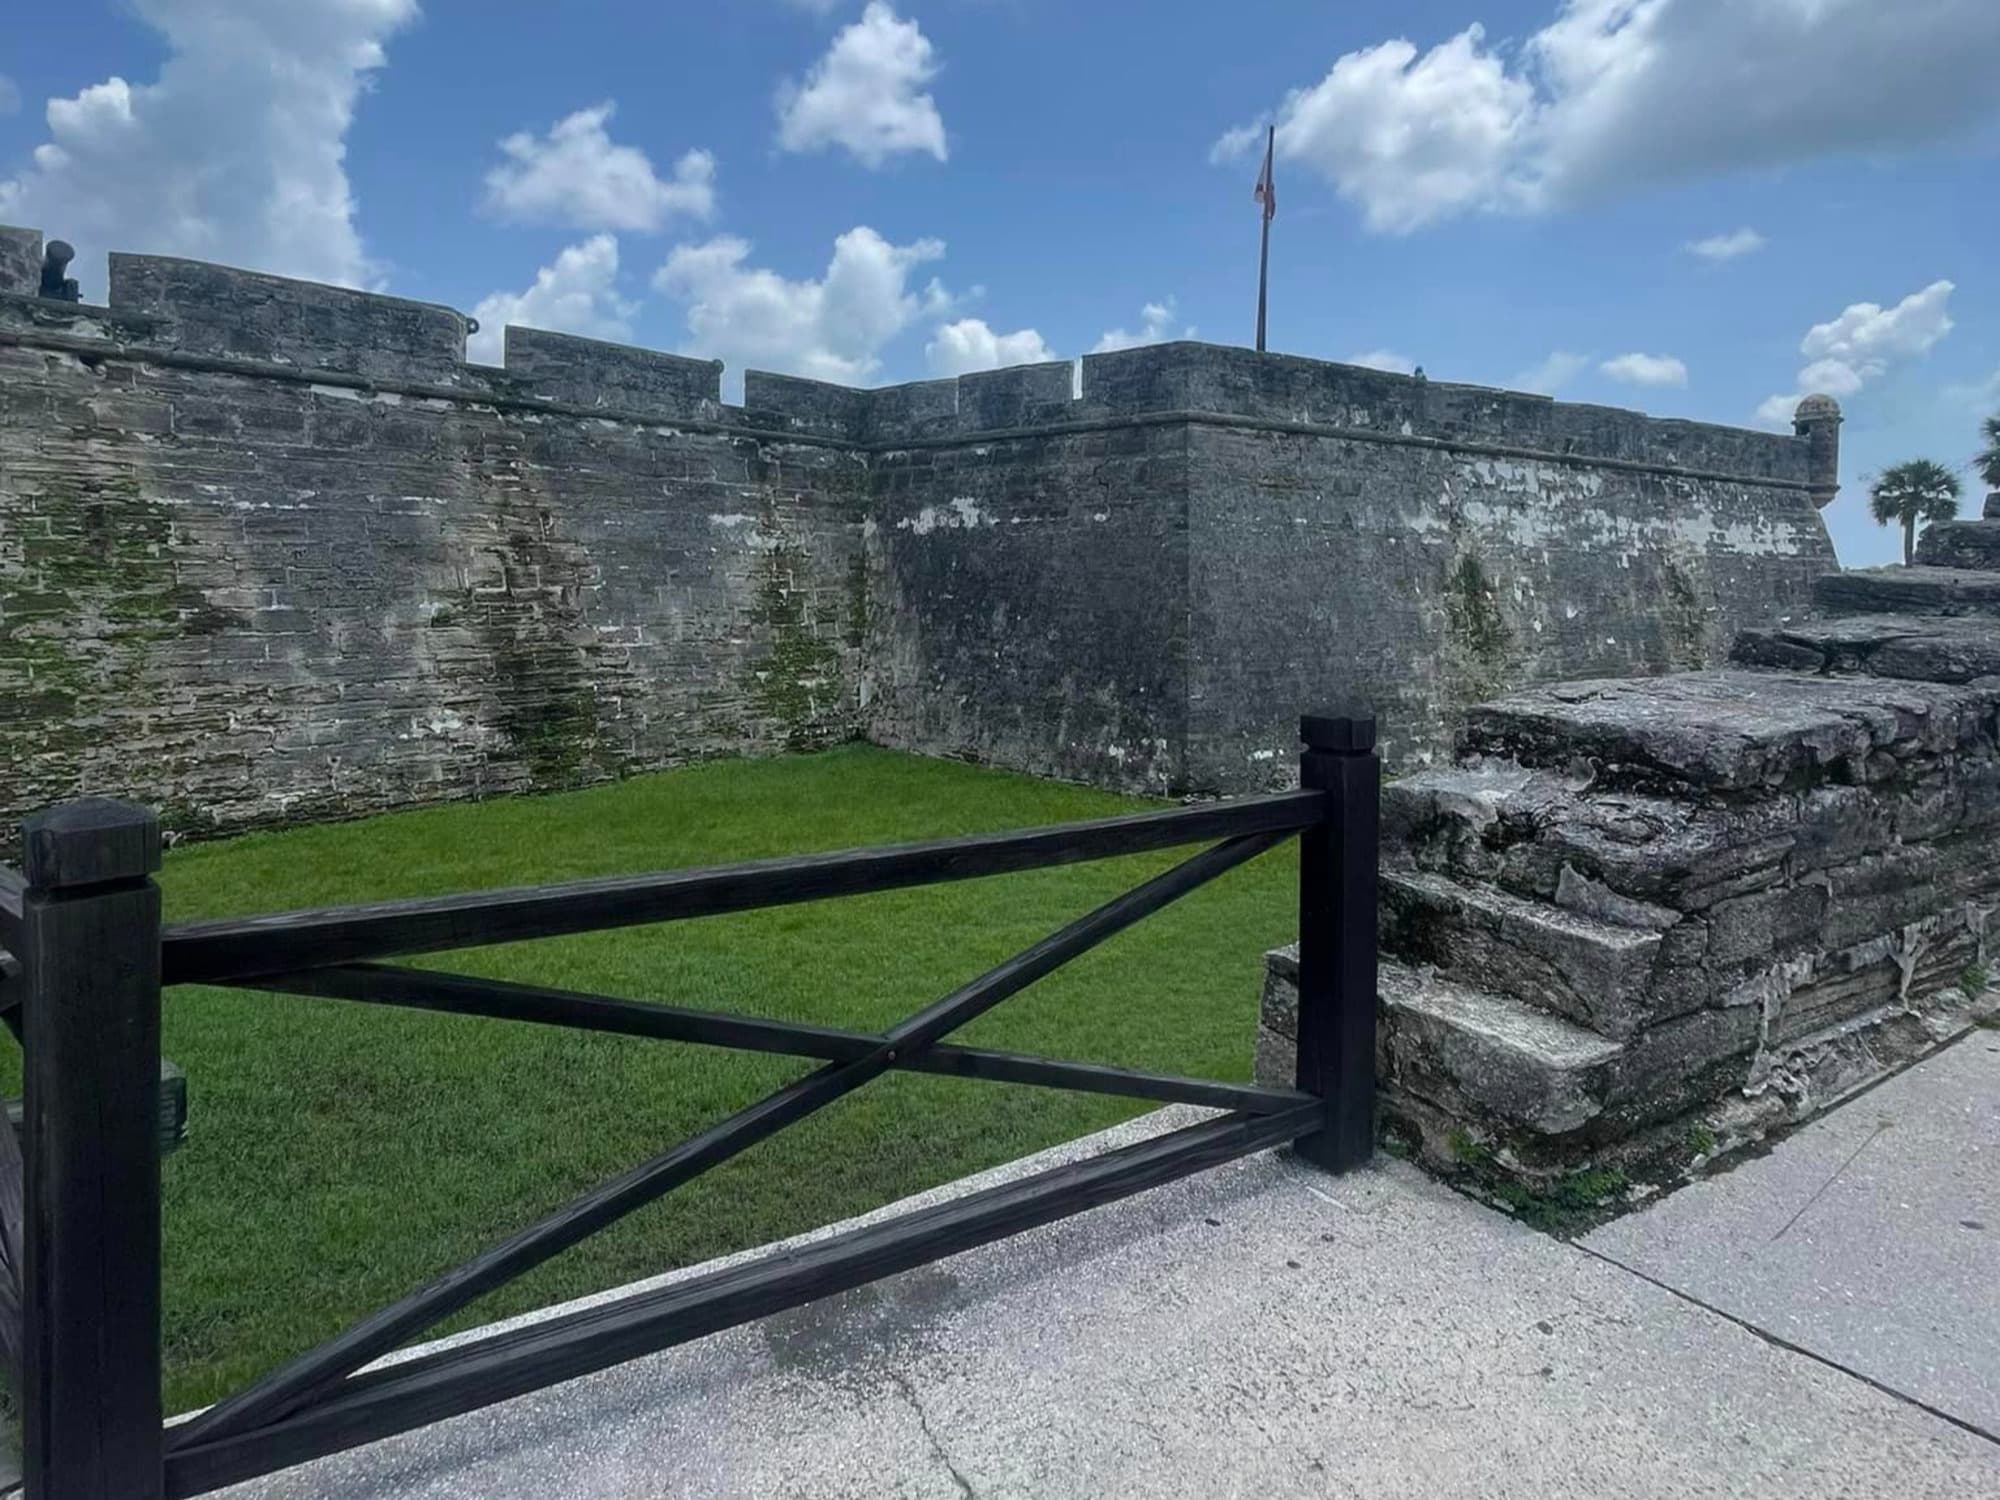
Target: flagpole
1264	254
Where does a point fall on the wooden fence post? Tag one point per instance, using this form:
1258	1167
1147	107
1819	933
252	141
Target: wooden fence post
91	1043
1337	858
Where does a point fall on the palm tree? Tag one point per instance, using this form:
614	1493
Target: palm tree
1989	456
1916	491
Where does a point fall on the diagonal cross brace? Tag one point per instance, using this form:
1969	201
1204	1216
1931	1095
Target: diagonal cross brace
288	1388
498	999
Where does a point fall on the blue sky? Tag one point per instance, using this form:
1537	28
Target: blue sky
1507	191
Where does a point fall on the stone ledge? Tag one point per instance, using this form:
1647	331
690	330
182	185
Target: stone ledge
1917	590
1922	648
1729	731
1560	961
1960	544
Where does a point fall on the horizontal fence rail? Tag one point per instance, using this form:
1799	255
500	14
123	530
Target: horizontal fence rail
247	948
85	956
410	1394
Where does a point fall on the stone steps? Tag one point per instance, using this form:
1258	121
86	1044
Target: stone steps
1473	822
1451	1042
1509	1069
1725	731
1471	1052
1960	544
1916	590
1590	972
1915	648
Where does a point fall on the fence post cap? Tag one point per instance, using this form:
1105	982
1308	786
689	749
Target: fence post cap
92	841
1348	730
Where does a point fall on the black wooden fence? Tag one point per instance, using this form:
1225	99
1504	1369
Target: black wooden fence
87	958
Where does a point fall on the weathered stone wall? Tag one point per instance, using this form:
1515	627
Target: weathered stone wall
1419	547
1029	589
274	550
1251	534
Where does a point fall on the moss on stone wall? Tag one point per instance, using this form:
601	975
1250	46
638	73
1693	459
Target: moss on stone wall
1687	615
546	664
1479	648
87	592
795	680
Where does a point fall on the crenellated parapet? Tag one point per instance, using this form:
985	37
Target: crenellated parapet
202	311
196	308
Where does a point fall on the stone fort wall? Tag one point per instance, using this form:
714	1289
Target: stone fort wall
270	549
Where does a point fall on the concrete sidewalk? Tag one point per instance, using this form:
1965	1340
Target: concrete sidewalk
1263	1330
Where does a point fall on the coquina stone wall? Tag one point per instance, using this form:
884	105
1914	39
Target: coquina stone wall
275	551
270	549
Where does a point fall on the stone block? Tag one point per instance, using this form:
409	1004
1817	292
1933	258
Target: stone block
590	372
1726	731
1960	544
198	308
1488	1059
1915	590
1930	648
1555	960
20	261
1770	924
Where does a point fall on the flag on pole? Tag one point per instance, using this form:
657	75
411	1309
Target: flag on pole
1267	195
1267	189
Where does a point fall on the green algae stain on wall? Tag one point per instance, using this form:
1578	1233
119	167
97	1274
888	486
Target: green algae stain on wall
88	591
795	681
1688	617
1479	646
524	607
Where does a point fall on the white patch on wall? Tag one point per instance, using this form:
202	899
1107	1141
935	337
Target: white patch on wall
963	514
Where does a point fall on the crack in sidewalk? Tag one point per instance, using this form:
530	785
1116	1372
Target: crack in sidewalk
1778	1341
909	1394
1853	1157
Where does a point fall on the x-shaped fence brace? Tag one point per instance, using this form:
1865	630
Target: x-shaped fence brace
317	1399
83	919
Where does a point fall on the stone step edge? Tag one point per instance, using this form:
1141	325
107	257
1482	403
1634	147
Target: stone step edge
1508	1060
1917	589
1591	972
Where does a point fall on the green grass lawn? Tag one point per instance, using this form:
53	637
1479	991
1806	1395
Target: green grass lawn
341	1154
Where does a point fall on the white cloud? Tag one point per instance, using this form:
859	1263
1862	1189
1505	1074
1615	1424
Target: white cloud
1235	143
1384	359
1777	410
577	177
235	153
1864	343
10	95
830	329
1646	369
1720	247
1866	338
1412	138
968	344
1551	375
1612	95
577	294
1154	321
863	95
